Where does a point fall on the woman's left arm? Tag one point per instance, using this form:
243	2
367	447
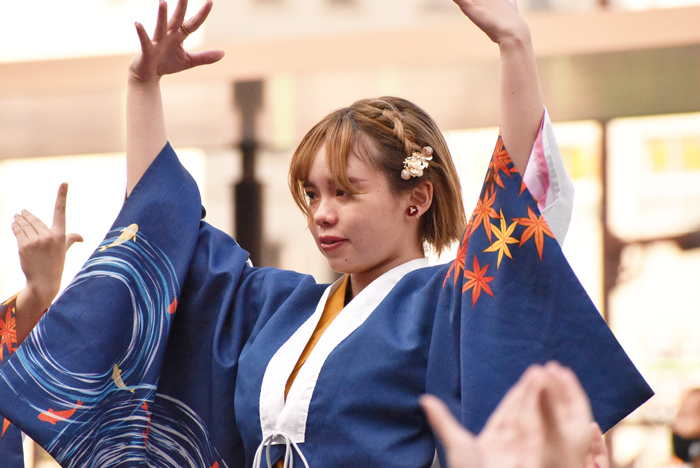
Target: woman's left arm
521	97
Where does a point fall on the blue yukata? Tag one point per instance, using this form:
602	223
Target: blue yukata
169	349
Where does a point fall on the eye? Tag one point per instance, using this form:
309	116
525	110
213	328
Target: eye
341	193
310	196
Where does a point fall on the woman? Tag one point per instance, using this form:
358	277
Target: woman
182	354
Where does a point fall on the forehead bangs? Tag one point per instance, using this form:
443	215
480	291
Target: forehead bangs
338	134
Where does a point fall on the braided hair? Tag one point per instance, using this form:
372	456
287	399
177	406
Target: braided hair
384	132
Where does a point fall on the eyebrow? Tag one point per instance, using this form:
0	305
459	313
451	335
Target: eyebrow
356	180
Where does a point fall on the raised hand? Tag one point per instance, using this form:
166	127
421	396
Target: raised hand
165	54
499	19
145	122
521	98
42	255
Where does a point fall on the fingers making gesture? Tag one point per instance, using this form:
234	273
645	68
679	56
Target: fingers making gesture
544	421
164	54
42	254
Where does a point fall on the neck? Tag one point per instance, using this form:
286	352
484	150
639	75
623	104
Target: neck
359	281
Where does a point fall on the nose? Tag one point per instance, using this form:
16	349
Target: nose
325	213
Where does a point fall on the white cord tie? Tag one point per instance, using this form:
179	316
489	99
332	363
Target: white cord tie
278	437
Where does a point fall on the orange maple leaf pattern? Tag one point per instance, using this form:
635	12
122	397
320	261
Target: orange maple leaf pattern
458	264
505	234
477	281
484	212
504	238
500	163
537	227
8	329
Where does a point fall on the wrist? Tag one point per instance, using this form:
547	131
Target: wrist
516	39
136	81
28	310
36	297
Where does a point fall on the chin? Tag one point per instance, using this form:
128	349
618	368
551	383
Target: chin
339	265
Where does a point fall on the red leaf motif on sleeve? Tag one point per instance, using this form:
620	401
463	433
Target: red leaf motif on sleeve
537	227
477	281
8	333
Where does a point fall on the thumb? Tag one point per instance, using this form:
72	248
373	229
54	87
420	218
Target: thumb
446	427
72	238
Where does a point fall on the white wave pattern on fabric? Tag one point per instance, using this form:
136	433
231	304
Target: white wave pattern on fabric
119	424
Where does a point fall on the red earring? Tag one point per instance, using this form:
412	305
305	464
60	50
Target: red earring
413	211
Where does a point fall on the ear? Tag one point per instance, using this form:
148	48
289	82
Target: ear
422	197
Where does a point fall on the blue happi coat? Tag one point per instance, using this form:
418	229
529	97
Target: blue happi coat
168	349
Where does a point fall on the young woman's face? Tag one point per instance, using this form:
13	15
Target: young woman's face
365	234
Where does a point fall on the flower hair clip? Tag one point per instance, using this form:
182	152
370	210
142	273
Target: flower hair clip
415	164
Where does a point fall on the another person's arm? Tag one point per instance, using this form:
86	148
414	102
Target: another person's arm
42	254
161	55
521	97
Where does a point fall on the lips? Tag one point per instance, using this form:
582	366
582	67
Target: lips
330	243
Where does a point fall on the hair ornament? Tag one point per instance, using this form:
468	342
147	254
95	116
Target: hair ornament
416	163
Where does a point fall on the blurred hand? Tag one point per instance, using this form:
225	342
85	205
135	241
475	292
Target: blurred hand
164	54
598	455
567	418
499	19
42	255
542	422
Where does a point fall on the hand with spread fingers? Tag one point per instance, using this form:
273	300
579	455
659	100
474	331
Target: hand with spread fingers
165	54
162	55
42	254
544	421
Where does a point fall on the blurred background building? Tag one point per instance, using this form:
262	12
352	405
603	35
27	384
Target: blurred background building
621	77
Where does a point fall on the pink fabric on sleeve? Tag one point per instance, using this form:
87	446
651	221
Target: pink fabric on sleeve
536	176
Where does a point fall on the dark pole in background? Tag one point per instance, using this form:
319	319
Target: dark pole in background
248	192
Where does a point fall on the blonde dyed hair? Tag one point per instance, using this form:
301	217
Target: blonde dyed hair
383	132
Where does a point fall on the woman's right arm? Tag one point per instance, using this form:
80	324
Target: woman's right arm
42	255
161	55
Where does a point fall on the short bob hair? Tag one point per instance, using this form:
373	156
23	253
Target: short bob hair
383	132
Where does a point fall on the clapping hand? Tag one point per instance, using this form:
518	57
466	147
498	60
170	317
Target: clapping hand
544	421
